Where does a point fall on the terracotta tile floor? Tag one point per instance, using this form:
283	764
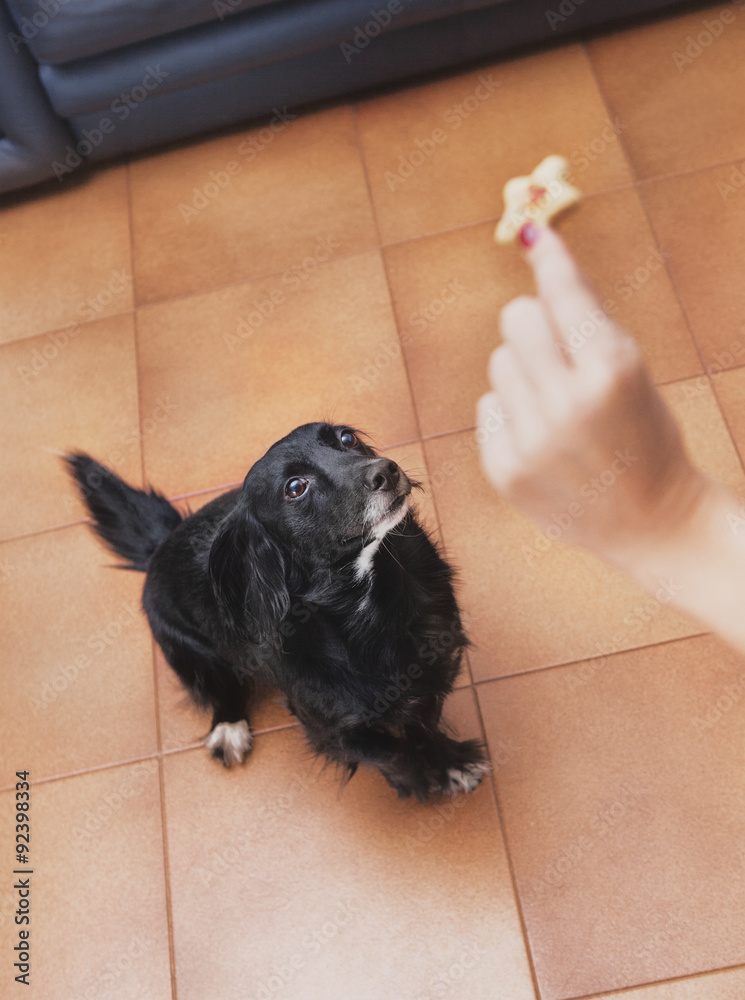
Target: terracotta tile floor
176	334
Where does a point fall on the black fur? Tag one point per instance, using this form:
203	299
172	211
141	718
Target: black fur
261	586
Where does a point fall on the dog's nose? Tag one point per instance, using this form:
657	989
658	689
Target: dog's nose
382	475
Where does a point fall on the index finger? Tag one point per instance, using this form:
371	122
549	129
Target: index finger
570	301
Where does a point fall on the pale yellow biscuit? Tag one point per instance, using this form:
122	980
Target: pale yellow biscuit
536	198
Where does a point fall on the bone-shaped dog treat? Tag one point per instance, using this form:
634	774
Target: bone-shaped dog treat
536	198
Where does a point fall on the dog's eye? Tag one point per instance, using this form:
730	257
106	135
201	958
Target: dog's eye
295	488
348	439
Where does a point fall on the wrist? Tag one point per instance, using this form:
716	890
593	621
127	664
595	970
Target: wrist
703	560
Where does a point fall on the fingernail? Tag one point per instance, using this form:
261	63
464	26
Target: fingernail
529	234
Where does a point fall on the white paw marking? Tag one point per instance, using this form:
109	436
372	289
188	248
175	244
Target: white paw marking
467	778
231	741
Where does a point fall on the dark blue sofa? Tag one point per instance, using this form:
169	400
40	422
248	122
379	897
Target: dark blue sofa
85	80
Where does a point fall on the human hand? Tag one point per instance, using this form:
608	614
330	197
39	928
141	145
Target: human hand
587	444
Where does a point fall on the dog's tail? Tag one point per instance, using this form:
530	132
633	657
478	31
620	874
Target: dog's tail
131	522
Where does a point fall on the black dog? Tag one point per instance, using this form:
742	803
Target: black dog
316	577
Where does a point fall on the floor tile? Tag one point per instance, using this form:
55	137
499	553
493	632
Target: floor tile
81	396
235	390
678	86
620	802
248	204
716	986
699	221
730	388
439	155
448	291
401	901
77	688
704	430
98	904
532	601
65	257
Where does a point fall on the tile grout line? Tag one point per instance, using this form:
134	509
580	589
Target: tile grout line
508	854
609	111
675	174
653	178
634	185
391	299
127	762
652	984
706	369
153	661
421	439
417	422
738	451
167	873
638	188
82	324
532	671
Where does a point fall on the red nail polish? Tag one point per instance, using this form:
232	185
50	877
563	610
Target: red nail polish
528	234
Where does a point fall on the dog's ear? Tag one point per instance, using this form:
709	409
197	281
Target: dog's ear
248	574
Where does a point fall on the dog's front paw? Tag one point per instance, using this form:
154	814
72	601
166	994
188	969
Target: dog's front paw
229	742
464	771
466	778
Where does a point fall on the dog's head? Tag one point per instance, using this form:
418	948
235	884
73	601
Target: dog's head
320	499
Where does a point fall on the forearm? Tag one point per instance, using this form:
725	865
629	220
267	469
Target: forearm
705	561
